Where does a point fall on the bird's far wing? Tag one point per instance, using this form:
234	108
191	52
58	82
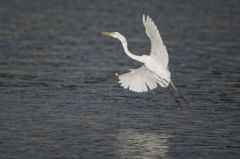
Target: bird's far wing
158	49
139	80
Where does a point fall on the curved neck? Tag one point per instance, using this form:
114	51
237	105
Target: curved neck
125	47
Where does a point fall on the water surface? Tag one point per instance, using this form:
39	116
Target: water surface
59	97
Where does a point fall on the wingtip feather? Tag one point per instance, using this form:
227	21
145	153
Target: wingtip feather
144	19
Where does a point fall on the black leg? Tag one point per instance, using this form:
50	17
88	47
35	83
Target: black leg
179	94
172	92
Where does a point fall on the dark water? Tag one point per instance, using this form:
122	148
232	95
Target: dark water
59	97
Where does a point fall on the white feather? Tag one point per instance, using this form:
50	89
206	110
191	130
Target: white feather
155	69
158	49
140	80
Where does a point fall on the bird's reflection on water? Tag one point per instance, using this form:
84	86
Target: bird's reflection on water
146	145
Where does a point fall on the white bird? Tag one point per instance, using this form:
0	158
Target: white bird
154	70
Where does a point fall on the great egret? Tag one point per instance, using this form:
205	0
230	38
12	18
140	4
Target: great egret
155	66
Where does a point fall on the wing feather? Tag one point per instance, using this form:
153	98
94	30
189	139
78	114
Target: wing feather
158	49
139	80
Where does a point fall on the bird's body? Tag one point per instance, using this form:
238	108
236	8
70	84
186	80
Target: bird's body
155	66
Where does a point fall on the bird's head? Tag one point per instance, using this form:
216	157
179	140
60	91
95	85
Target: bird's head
116	35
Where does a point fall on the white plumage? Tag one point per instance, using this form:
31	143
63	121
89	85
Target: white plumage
155	67
138	80
158	49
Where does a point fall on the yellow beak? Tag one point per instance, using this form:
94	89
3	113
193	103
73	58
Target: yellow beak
107	33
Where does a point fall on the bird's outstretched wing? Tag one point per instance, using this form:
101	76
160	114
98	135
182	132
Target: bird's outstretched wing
158	49
140	80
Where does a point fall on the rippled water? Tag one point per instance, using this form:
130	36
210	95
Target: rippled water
59	97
